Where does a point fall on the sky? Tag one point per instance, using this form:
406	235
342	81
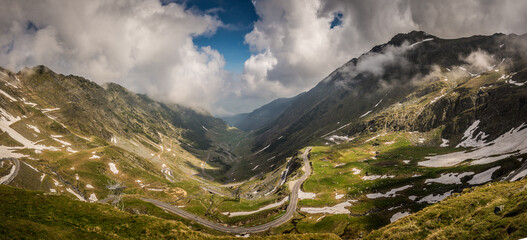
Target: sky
227	56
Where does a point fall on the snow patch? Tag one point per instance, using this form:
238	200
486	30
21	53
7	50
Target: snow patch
432	198
12	99
356	171
444	142
76	194
437	98
94	157
373	177
519	176
406	161
305	195
469	140
398	216
483	177
255	168
417	43
377	103
34	169
42	177
89	186
510	143
364	115
338	196
57	184
46	110
69	149
391	193
6	120
449	178
113	168
34	128
337	209
56	138
93	198
261	150
373	138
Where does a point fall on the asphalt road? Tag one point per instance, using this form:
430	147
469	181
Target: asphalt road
291	208
17	168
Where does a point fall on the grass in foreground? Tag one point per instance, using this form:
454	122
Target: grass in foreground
34	215
494	211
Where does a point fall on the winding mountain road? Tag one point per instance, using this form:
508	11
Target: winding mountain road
15	173
291	208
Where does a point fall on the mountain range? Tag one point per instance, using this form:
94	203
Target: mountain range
388	134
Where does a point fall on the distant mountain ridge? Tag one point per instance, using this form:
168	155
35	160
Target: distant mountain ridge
261	116
404	66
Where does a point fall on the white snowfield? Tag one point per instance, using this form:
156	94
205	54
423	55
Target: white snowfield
56	138
449	178
509	144
435	198
444	142
337	209
519	176
34	128
356	171
93	198
391	193
417	43
469	140
364	115
6	120
305	195
12	99
483	177
398	216
338	196
76	194
270	206
373	177
113	168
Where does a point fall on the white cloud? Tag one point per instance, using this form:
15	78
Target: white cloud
140	44
480	61
148	47
306	49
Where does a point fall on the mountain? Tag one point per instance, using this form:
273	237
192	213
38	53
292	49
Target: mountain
495	211
392	133
261	116
357	97
401	128
69	135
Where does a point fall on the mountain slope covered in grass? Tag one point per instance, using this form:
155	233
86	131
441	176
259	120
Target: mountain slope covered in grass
36	215
493	211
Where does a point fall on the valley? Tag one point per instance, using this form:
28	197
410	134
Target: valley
360	154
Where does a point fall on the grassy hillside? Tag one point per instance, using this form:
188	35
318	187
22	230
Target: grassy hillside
494	211
30	214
